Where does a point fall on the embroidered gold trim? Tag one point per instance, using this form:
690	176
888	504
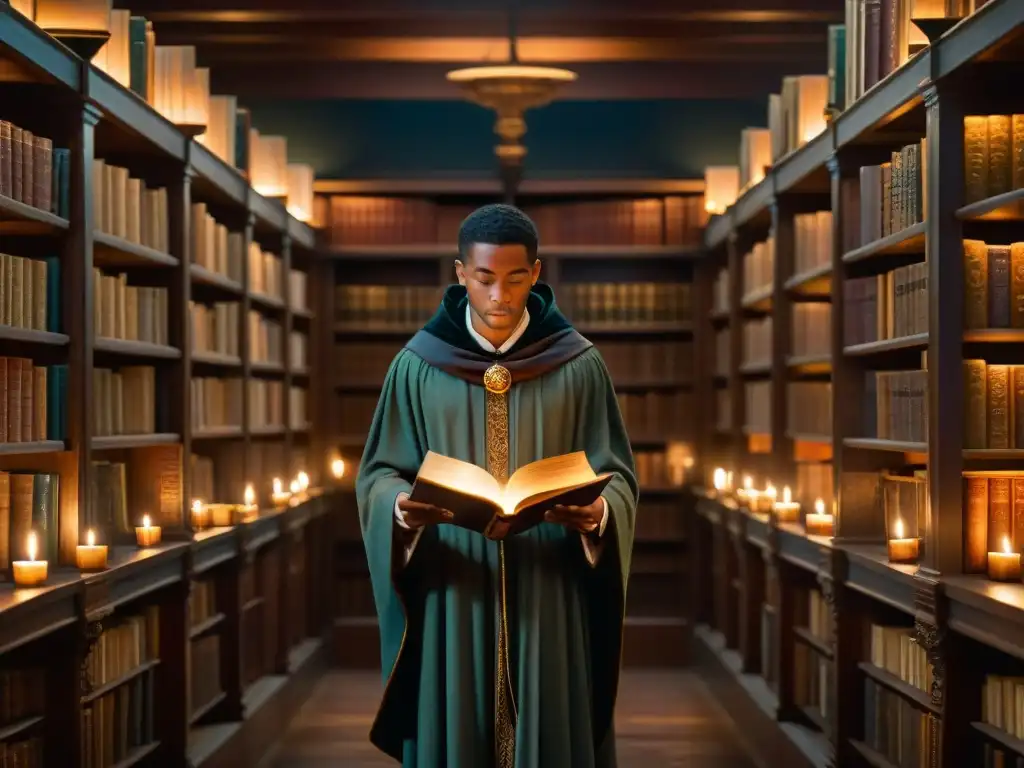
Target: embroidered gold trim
497	382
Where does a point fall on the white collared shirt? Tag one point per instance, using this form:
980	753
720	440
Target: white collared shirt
589	548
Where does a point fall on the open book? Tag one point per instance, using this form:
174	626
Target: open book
482	504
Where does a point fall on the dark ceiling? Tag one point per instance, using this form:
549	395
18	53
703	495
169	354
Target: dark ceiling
401	49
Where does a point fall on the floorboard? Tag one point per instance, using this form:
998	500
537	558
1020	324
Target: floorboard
665	719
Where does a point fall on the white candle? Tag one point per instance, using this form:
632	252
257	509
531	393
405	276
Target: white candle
91	556
31	572
147	535
787	510
819	522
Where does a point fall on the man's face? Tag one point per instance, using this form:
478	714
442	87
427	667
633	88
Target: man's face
498	279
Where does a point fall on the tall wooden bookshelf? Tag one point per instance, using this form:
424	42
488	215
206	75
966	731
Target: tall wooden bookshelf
620	256
131	400
858	659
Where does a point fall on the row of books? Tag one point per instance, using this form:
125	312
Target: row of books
214	327
758	398
1002	704
24	694
648	361
118	723
993	155
898	405
131	312
813	482
896	650
204	671
32	401
202	600
809	410
29	501
812	329
265	272
723	410
896	728
757	341
298	352
819	617
993	405
203	468
759	268
723	352
812	241
213	246
654	469
674	220
266	403
994	285
893	195
720	293
33	171
125	207
266	339
30	293
121	648
216	403
629	304
993	518
888	306
812	679
386	306
667	414
125	401
298	416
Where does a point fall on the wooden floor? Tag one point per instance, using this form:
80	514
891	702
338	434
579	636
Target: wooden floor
664	720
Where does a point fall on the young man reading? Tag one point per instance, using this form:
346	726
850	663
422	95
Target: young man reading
497	653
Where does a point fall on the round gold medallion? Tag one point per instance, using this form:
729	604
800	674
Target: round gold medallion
497	379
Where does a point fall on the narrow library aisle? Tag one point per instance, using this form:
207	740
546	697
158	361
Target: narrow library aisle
665	719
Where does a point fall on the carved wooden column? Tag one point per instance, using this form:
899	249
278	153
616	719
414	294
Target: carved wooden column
844	710
930	634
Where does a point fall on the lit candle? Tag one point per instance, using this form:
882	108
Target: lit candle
903	549
819	522
718	479
1005	565
787	510
303	479
249	496
278	496
31	572
200	515
91	556
767	499
147	535
338	469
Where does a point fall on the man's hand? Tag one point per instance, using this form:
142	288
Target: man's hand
583	519
417	515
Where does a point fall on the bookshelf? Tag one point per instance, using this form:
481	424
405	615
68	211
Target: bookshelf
889	363
127	285
620	256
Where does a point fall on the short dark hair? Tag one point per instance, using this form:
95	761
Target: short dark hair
498	224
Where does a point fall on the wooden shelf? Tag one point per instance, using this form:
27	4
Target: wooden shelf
205	277
907	241
16	218
216	358
113	442
112	251
919	698
1007	206
30	336
884	346
36	446
814	282
127	348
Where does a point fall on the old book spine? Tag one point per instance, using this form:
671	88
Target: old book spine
14	400
896	193
975	159
1017	155
1000	164
39	429
1000	524
976	525
1017	285
975	408
976	283
22	485
999	416
887	178
6	153
999	286
5	521
27	392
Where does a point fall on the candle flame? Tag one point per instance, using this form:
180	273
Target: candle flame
819	506
338	468
294	487
31	545
197	505
277	485
787	496
898	529
145	521
770	491
1007	548
303	479
250	495
748	482
90	538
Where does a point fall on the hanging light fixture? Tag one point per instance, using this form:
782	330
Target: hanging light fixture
510	89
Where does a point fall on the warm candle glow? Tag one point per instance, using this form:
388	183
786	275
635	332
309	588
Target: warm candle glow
1005	565
719	479
787	496
787	510
31	572
1007	549
770	492
338	468
294	487
898	529
819	507
145	521
303	479
147	535
89	556
277	486
90	538
197	506
748	482
819	523
31	545
250	495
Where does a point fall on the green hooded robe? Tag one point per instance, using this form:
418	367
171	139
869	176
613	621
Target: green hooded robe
437	611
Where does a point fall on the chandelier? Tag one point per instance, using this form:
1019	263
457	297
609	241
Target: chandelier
510	89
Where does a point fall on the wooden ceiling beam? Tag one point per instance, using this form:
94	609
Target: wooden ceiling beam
648	80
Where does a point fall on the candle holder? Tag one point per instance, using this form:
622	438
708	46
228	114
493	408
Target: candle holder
201	515
819	522
787	510
30	572
147	535
91	556
249	510
903	549
1005	565
278	497
338	468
